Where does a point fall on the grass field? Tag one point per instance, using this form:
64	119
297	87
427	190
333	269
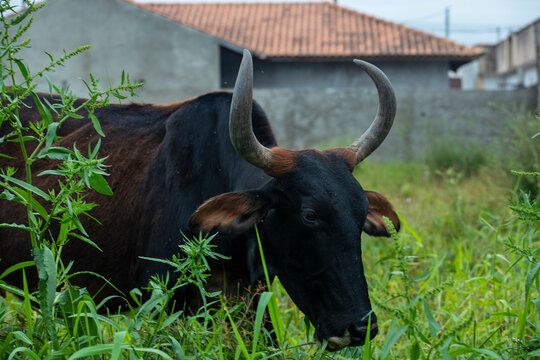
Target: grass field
448	286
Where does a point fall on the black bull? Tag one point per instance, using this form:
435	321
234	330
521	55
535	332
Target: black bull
184	168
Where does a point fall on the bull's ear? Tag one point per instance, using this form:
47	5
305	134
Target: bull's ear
230	213
379	206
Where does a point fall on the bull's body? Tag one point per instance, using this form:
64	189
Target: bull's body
166	161
211	164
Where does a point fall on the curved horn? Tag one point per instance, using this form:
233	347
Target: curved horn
240	127
379	128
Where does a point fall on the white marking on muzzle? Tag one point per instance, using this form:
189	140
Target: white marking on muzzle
335	342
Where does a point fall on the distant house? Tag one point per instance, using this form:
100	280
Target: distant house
181	50
304	45
507	65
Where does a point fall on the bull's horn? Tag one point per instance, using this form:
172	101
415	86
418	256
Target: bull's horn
240	127
379	128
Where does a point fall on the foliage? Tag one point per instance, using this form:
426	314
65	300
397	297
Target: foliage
449	152
519	152
76	174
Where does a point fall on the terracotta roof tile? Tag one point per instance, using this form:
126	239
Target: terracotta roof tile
310	30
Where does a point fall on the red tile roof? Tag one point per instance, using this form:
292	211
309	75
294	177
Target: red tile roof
314	30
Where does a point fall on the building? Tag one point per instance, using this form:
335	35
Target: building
306	45
181	50
312	93
507	65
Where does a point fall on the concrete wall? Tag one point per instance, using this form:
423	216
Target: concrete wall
306	75
334	117
127	37
523	46
516	51
172	60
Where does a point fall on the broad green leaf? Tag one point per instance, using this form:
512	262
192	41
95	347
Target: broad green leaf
146	308
23	69
93	153
51	134
35	204
533	353
98	183
530	278
415	351
261	307
46	267
22	139
97	125
22	337
26	351
536	303
54	172
422	277
391	337
27	186
68	298
43	111
16	226
118	342
433	326
62	234
178	351
17	19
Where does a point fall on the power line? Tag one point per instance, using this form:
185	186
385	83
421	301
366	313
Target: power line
432	15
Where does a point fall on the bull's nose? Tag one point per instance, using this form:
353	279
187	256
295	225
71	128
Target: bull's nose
355	335
358	333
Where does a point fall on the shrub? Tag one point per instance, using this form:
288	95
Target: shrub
449	152
521	149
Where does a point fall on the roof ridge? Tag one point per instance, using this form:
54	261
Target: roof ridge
315	29
394	23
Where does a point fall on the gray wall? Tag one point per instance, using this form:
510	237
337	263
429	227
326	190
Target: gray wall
306	75
123	37
334	117
323	116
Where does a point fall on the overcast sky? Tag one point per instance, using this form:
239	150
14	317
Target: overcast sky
471	21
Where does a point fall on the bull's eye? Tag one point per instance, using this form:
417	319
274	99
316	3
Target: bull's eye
309	216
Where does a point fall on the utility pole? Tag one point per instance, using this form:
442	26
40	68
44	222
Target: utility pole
447	22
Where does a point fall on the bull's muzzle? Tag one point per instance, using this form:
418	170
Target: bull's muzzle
355	335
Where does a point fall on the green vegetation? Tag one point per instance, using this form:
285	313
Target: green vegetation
465	157
461	279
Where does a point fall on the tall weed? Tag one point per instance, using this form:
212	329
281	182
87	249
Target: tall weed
76	172
519	152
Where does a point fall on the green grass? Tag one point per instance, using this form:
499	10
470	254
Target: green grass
461	230
449	286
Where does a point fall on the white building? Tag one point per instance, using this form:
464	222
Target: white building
510	64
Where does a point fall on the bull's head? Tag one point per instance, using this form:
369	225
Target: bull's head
311	215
